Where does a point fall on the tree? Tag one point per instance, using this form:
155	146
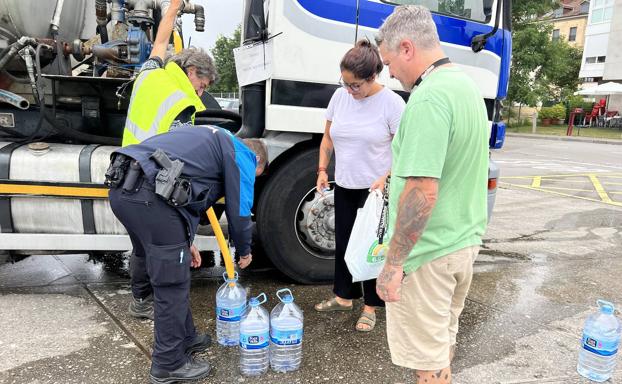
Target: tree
530	43
564	63
541	69
224	62
524	11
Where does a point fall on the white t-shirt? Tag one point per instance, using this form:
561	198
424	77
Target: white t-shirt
361	132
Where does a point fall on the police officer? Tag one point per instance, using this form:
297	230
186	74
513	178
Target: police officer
161	228
163	96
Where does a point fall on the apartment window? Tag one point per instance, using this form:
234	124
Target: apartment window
595	59
572	36
558	12
555	34
602	11
585	7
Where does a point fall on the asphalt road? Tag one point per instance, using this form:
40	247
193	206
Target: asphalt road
552	249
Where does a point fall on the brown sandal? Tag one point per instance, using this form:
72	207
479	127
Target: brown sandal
368	319
332	305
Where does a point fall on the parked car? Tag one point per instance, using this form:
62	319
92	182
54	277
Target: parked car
232	105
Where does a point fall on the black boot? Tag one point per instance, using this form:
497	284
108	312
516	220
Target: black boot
142	308
191	370
199	344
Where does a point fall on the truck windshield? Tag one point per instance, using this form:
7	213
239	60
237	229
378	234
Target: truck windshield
477	10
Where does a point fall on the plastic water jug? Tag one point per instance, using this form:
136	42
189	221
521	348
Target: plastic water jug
601	338
230	305
286	330
255	338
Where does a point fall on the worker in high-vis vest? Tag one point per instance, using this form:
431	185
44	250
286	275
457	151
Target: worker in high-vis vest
167	92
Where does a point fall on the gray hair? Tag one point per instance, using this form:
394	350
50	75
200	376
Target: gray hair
260	150
412	22
197	58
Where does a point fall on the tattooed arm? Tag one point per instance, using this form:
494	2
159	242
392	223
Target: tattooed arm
414	208
326	152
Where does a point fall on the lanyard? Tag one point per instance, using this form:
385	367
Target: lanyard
383	224
437	63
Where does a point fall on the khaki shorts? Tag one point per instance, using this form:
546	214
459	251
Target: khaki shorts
423	325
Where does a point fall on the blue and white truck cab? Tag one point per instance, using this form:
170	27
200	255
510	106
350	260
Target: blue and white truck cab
54	149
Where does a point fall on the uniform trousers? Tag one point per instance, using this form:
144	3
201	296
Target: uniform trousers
161	245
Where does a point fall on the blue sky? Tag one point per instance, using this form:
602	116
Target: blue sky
221	18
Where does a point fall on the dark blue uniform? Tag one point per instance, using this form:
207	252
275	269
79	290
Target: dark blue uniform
218	164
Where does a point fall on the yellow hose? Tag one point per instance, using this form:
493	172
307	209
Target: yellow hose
222	243
178	43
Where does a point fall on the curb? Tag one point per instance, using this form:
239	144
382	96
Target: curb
566	138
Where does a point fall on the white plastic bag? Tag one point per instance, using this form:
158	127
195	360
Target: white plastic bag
364	256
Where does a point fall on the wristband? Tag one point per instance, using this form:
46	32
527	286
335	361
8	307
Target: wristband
321	169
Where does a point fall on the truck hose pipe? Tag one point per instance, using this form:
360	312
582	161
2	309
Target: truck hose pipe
199	18
101	12
13	99
55	22
14	48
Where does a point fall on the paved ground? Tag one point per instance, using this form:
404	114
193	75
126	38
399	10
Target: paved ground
552	249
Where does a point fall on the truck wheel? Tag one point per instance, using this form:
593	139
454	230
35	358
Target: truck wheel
296	225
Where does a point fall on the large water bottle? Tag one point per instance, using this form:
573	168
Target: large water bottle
601	338
230	305
286	323
254	338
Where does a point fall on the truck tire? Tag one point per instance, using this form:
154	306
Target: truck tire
283	210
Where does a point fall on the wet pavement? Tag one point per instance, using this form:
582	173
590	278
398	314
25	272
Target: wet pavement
547	258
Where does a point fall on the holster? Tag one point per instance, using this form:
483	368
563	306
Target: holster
181	192
119	164
132	176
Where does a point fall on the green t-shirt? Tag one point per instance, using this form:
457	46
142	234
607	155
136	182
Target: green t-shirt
444	134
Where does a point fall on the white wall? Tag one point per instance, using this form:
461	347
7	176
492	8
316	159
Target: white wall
615	103
596	44
613	64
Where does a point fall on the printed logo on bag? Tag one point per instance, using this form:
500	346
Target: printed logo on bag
377	253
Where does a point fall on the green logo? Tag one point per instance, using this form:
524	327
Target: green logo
376	253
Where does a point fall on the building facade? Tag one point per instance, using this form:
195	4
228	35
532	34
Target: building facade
602	53
569	22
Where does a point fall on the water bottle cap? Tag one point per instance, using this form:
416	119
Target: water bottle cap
258	300
228	280
287	298
605	307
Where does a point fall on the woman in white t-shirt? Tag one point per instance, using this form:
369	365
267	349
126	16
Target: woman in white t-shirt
361	119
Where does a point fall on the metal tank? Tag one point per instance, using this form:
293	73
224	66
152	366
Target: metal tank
34	18
60	165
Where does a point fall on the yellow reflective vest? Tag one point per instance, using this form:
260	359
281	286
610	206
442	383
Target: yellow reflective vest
158	97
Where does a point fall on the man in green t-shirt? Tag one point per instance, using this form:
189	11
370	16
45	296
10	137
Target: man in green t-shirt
437	199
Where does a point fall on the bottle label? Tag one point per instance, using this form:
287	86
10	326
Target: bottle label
601	348
254	341
290	337
230	314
